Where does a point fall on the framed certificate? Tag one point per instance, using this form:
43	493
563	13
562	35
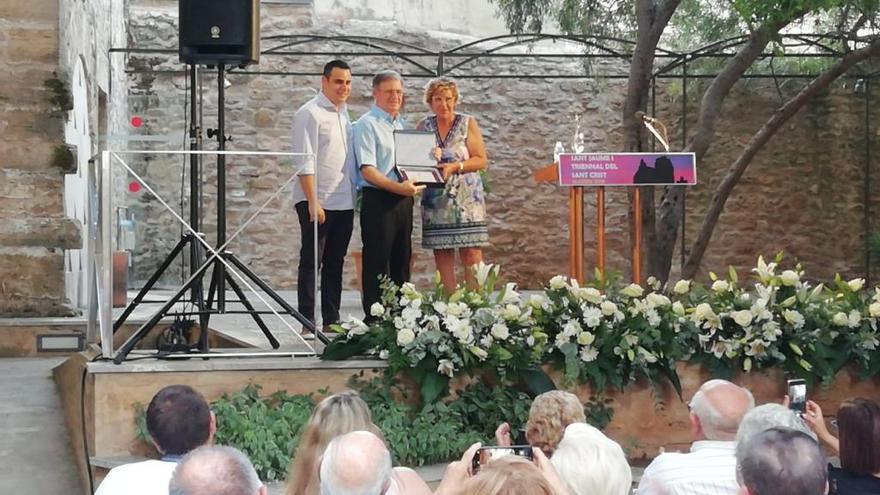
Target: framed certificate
413	158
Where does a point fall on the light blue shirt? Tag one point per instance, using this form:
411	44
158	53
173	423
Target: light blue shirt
373	136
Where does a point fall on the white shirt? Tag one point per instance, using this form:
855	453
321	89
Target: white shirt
708	469
138	478
320	128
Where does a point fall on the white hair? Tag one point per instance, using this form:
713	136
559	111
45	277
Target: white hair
768	416
590	463
357	463
716	425
215	470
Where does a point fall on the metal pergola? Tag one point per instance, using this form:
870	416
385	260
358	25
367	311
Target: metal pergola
463	61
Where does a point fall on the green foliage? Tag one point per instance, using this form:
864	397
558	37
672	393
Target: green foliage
62	159
599	411
267	429
60	94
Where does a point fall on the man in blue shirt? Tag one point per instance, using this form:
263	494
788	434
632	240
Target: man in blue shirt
387	204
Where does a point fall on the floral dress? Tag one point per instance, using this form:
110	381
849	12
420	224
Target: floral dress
454	216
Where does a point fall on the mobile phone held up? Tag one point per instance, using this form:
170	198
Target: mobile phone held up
797	395
487	454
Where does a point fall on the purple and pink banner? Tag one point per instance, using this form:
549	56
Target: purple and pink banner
627	169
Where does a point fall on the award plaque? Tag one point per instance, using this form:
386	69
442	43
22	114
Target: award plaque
413	159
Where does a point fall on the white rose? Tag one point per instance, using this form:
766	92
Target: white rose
511	312
571	328
703	312
608	308
586	338
538	301
793	317
789	278
874	310
856	284
377	309
592	295
405	337
658	300
632	290
383	354
678	308
558	282
682	287
854	319
500	331
840	319
742	318
720	286
440	307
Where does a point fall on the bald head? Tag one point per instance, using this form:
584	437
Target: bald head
717	409
215	471
357	463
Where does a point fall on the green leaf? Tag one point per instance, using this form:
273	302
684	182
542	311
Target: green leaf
342	349
537	381
432	387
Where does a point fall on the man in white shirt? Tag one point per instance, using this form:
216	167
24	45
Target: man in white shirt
178	420
325	190
710	467
216	471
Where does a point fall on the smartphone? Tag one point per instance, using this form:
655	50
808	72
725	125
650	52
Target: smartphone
520	437
797	395
487	454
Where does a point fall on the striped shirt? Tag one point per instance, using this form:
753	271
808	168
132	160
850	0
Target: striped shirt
708	469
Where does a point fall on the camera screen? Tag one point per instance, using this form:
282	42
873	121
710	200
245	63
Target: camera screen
488	454
797	393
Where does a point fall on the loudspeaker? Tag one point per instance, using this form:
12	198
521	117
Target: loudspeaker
214	32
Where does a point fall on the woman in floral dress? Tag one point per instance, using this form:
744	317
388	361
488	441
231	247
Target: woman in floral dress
454	217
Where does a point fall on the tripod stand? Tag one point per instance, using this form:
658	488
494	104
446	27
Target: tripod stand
219	261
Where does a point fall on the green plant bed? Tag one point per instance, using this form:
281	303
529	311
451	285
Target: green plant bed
268	428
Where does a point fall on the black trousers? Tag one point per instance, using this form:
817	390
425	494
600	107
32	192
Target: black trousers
386	231
333	238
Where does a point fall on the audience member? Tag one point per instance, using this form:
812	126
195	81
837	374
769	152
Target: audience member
508	475
215	470
178	420
709	468
858	422
781	461
768	416
357	463
550	413
590	463
336	415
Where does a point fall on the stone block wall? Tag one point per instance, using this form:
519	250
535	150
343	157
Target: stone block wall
803	194
33	228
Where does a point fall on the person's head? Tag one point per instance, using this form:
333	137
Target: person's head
781	461
717	409
508	475
335	415
388	91
357	463
858	421
591	463
179	420
768	416
336	81
550	413
215	470
441	96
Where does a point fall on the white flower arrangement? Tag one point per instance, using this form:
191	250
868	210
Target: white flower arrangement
599	333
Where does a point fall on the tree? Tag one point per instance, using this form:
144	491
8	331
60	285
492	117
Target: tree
763	20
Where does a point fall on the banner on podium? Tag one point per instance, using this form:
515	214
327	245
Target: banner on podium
627	169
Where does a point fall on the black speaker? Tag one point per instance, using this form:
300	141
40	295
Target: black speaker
214	32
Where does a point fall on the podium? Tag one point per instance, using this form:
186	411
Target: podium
578	171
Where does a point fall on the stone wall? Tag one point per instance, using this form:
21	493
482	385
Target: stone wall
33	228
788	199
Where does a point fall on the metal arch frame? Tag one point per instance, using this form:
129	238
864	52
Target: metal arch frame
679	60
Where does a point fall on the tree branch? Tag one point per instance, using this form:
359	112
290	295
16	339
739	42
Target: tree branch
779	118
